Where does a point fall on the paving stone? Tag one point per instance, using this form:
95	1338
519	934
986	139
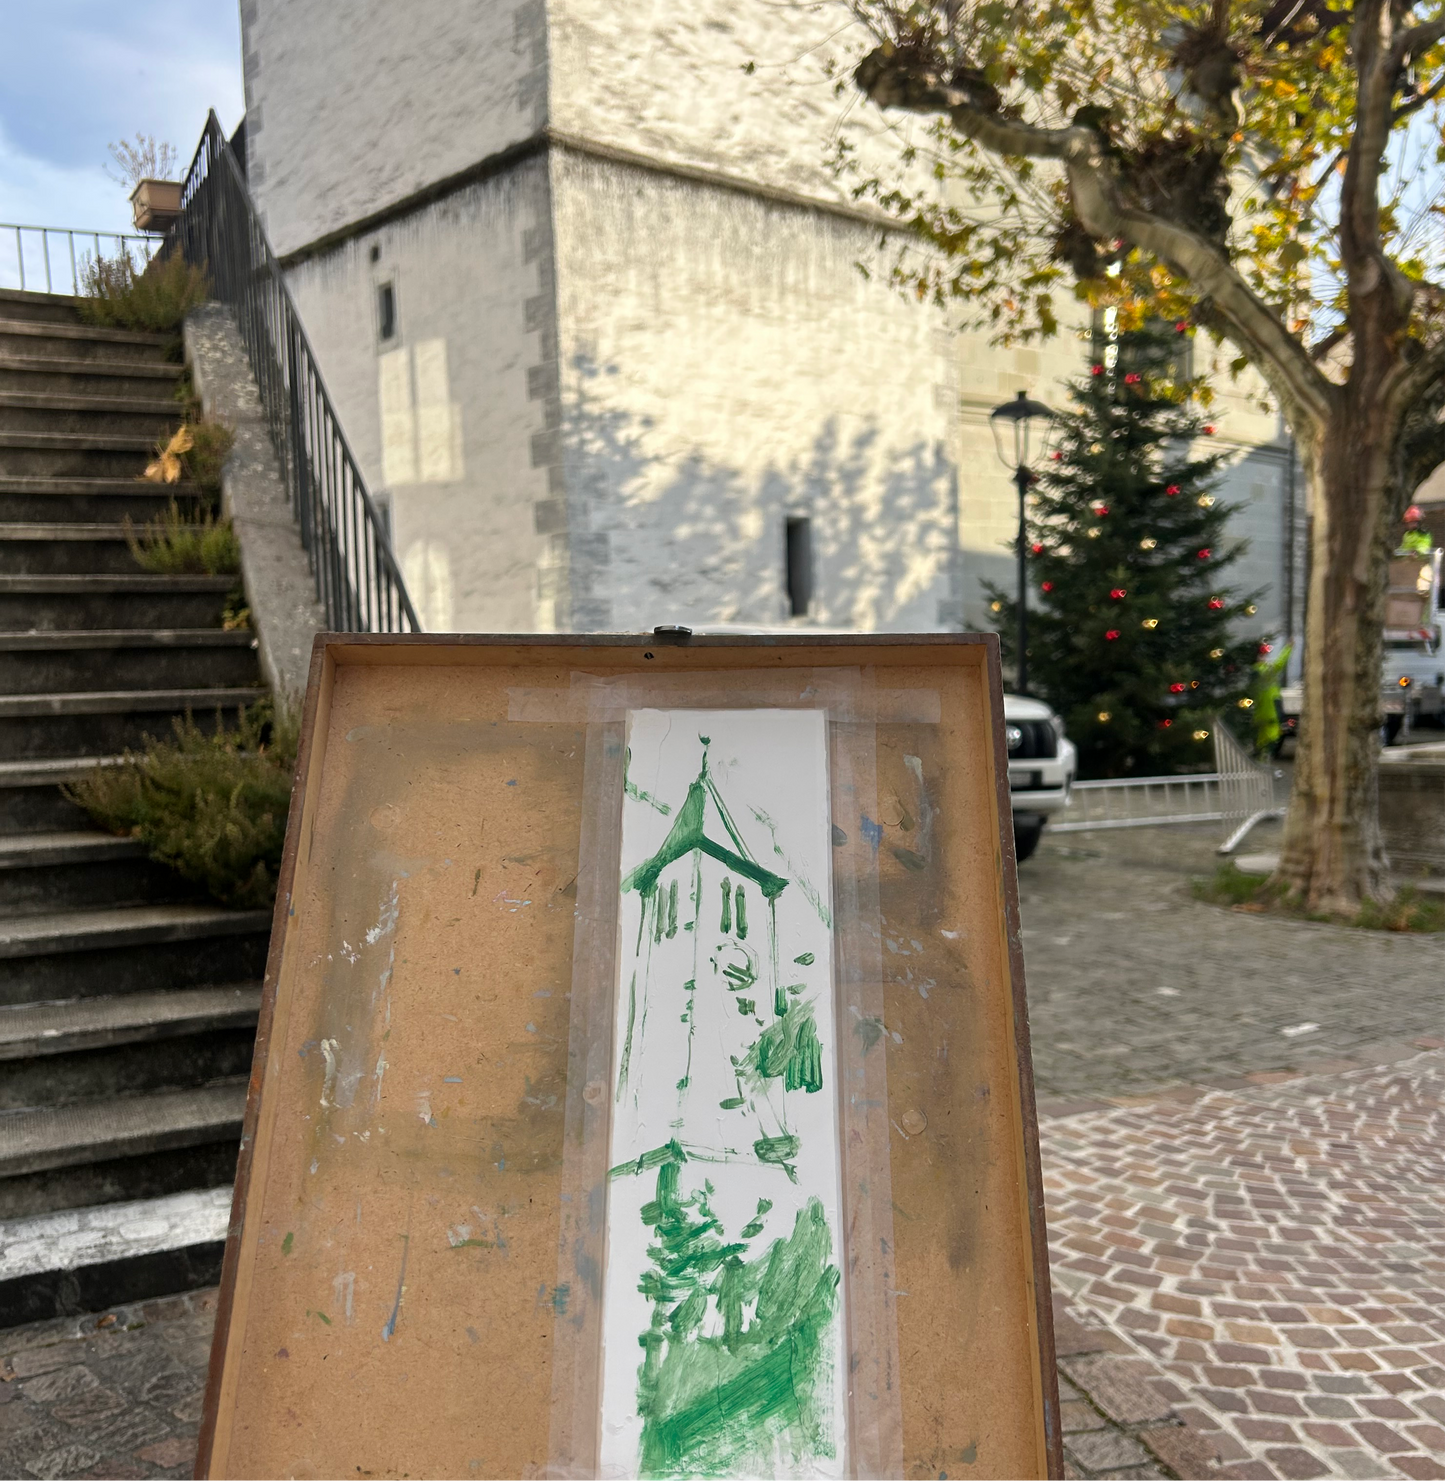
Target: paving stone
1120	1387
176	1451
1185	1451
1106	1450
65	1460
1076	1415
1296	1464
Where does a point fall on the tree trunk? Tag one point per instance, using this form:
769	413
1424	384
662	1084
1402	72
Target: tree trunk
1333	856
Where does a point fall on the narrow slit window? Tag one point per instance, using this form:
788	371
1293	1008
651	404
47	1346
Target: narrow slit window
798	542
386	311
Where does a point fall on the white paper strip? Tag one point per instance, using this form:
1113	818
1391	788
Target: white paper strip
723	1321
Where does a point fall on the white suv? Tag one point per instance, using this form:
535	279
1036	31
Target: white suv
1041	765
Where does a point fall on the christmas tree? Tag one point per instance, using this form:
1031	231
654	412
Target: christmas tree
1129	623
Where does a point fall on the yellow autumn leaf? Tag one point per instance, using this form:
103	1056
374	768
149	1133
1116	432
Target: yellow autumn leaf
167	466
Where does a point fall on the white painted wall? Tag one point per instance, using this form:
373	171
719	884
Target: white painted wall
352	108
725	364
471	324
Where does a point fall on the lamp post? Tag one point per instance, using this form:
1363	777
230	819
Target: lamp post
1021	413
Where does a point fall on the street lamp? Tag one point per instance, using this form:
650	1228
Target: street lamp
1021	413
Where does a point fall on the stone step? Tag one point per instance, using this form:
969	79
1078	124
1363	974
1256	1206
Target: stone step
67	548
78	377
139	948
40	308
38	663
37	1030
41	873
89	500
43	1140
39	1140
74	603
135	1044
83	341
47	412
30	797
106	721
75	454
70	1261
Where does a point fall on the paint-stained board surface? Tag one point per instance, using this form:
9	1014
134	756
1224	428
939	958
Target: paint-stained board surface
393	1293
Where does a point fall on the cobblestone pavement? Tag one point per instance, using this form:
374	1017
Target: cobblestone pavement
1133	985
117	1395
1273	1260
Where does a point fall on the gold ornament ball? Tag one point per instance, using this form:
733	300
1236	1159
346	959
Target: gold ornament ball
1095	533
1216	652
1205	501
1147	544
1151	623
1201	735
1246	704
995	606
1104	716
1250	610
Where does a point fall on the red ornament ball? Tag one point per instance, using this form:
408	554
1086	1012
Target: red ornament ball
1172	490
1205	553
1096	370
1037	548
1111	634
1047	586
1118	594
1176	689
1265	648
1181	327
1413	515
1216	604
1101	510
1209	429
1133	378
1165	724
1057	457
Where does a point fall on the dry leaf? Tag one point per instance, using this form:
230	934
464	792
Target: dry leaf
167	466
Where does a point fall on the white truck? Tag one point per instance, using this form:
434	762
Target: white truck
1041	765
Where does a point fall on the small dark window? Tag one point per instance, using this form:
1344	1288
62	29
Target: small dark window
376	254
386	311
798	539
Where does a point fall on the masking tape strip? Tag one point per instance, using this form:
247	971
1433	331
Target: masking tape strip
840	691
854	707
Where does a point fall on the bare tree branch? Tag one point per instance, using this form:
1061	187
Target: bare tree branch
1417	39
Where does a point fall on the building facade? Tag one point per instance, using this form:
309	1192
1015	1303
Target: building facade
613	344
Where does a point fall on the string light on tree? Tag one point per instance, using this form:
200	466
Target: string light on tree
1147	543
1150	622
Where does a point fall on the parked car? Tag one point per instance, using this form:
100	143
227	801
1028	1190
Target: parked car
1041	765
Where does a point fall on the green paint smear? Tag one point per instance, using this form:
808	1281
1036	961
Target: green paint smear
740	905
788	1049
323	1317
724	1404
732	1103
806	960
687	835
909	859
727	906
287	1243
633	790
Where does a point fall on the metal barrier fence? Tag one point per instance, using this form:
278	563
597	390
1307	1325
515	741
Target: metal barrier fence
1142	802
32	254
357	577
1241	793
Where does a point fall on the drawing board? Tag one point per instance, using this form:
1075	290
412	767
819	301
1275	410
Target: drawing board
642	1085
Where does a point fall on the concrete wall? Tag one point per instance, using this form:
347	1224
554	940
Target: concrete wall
725	365
352	108
670	81
443	416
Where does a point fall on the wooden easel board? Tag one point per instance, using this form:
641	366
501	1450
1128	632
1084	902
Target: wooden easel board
409	1288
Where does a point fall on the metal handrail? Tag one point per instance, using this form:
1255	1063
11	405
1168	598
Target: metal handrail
16	235
357	577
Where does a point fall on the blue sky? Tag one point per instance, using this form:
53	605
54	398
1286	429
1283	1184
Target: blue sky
77	74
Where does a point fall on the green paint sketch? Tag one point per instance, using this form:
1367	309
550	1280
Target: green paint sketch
722	1310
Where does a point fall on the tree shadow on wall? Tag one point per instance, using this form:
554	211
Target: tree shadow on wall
682	537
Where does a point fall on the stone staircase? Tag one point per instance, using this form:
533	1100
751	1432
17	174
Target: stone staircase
128	1001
